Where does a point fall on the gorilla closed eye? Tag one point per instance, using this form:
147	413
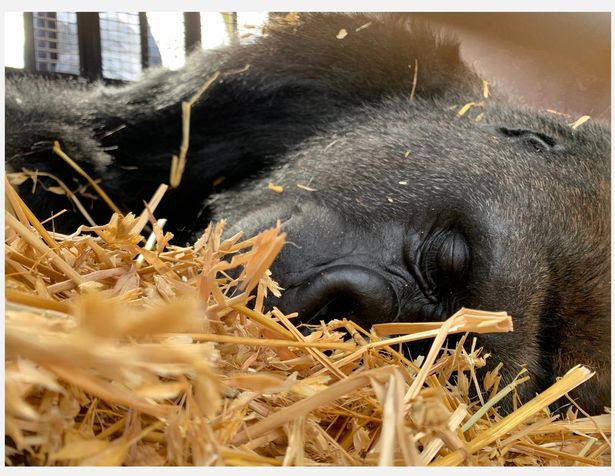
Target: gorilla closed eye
538	140
445	260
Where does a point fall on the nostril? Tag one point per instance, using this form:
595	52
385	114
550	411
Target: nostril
343	291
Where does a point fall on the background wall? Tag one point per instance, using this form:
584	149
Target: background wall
559	61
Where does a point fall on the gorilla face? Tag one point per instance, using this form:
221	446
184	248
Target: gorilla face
397	207
407	212
438	214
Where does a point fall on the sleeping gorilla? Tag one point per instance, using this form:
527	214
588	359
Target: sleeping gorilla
396	207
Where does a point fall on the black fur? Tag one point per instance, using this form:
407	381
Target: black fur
508	210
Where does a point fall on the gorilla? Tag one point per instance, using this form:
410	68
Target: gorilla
400	203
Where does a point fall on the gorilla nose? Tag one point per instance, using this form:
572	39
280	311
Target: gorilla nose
339	291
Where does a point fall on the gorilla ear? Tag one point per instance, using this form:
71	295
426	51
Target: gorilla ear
536	140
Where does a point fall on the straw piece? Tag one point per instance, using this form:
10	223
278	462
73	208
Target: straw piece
389	328
389	419
14	202
67	191
178	163
553	454
24	212
318	356
149	209
151	240
108	392
485	89
432	448
303	407
59	152
492	401
466	107
571	380
275	188
246	457
414	78
537	426
34	264
465	321
263	320
582	425
42	248
87	278
580	121
28	299
266	342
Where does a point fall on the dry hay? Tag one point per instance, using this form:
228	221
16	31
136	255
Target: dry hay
122	352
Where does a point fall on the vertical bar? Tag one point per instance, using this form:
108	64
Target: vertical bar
90	53
144	40
28	51
234	28
230	22
192	29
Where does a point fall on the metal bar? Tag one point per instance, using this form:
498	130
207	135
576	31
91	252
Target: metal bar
28	51
192	29
234	28
144	40
90	53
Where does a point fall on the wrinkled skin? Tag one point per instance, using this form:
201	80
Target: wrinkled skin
411	212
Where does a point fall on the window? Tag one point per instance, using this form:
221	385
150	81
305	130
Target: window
250	25
168	33
120	42
55	42
14	40
214	32
118	46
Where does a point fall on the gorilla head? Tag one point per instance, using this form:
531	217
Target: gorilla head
400	203
405	212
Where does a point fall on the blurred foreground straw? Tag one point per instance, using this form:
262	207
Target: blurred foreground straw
127	351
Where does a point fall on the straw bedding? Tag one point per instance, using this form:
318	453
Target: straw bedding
127	351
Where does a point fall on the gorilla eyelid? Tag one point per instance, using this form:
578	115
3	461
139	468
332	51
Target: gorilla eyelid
445	260
453	255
